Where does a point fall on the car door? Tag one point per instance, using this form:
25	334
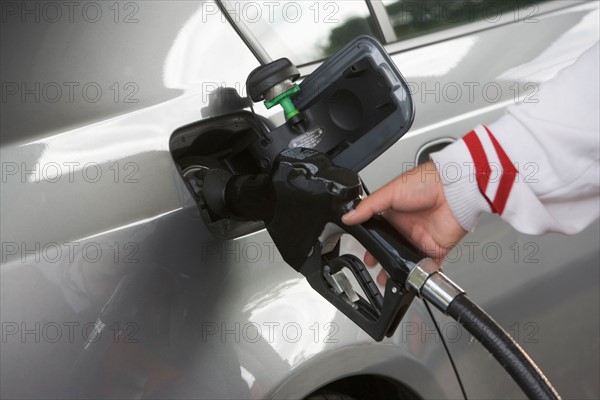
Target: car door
97	226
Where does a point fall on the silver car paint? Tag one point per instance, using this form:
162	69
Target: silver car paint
196	315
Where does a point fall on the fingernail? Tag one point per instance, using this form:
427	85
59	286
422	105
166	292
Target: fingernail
346	218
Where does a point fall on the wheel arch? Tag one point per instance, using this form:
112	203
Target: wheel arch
386	366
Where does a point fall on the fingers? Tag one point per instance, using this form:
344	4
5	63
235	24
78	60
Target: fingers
382	277
377	202
370	261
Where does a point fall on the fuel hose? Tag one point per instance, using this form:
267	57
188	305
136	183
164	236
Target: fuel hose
503	347
427	280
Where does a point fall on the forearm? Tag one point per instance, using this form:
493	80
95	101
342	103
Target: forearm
537	167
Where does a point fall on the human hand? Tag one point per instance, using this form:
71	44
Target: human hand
414	203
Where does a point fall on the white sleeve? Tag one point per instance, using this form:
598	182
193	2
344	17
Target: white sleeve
538	165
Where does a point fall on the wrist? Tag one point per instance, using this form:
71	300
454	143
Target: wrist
460	188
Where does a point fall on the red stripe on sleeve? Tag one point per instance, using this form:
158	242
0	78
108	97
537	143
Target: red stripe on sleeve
482	166
509	172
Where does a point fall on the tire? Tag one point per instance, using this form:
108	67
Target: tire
329	396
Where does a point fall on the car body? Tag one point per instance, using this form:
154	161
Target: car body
97	220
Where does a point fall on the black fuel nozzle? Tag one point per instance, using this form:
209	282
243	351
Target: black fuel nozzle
311	191
312	194
302	202
249	197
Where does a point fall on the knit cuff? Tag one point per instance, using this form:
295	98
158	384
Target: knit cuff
457	170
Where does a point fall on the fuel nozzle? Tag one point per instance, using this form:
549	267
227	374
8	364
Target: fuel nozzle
248	197
275	84
301	202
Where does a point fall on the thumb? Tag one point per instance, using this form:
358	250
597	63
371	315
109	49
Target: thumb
377	202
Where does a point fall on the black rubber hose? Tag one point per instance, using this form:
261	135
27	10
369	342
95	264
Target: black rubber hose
506	351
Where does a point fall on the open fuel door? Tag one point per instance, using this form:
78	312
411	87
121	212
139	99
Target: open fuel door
352	108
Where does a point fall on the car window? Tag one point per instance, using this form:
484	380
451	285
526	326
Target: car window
410	18
306	31
303	31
